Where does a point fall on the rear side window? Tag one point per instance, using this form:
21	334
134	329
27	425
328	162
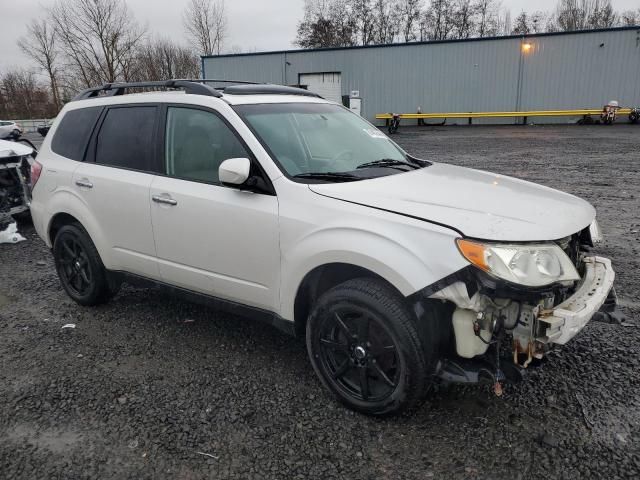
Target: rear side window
126	138
72	135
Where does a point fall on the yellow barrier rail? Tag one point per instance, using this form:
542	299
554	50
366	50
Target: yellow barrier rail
532	113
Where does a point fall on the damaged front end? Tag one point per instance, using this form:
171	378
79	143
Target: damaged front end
498	327
15	193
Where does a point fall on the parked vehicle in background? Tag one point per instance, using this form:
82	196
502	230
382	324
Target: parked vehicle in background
9	129
634	115
399	272
43	130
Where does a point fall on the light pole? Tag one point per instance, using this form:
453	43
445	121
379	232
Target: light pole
525	48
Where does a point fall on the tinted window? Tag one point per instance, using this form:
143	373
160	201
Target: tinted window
73	132
197	142
126	138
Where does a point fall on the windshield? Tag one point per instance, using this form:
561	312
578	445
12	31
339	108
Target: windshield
321	139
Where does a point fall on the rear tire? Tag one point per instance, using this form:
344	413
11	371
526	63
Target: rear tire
363	344
80	268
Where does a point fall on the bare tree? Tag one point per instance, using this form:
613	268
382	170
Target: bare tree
438	20
602	15
387	22
409	13
362	11
327	24
40	46
572	14
522	24
487	17
504	23
98	37
630	18
526	23
463	19
162	59
21	96
205	22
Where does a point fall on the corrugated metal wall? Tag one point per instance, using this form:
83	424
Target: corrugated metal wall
567	71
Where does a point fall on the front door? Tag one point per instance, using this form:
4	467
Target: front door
210	238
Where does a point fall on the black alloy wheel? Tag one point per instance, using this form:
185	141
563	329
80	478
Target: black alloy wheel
80	268
359	353
364	346
74	266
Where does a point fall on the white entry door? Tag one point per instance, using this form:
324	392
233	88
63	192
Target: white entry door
327	85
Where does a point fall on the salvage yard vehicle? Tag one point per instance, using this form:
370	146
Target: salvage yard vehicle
274	202
15	172
9	129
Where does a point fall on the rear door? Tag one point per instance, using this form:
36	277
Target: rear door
211	238
114	182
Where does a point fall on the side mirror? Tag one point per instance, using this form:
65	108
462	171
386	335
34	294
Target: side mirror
234	171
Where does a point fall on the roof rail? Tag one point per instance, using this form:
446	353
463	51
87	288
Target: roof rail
268	89
198	87
113	89
216	80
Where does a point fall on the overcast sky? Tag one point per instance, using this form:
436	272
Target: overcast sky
253	24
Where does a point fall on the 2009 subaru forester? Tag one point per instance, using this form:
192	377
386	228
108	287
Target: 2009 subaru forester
399	271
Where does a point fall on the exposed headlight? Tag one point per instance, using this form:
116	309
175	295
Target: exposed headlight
530	265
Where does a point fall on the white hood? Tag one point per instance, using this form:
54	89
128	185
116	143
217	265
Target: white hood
14	149
479	204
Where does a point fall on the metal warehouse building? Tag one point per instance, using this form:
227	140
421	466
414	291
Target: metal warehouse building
554	71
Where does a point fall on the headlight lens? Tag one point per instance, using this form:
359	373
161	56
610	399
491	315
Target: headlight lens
529	265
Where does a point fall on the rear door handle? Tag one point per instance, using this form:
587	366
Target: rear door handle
165	199
84	183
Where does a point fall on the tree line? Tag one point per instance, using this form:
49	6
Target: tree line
343	23
78	44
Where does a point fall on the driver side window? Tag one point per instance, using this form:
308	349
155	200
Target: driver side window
196	143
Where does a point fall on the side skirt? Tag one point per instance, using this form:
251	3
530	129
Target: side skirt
210	301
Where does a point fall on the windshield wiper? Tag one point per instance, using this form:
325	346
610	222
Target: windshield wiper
389	163
339	176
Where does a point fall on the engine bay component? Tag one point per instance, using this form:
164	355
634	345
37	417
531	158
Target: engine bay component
15	167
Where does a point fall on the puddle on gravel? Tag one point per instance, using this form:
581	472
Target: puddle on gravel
56	441
4	300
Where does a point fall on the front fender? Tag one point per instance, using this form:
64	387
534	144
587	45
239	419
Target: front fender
409	257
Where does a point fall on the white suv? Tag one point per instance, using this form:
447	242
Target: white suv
400	272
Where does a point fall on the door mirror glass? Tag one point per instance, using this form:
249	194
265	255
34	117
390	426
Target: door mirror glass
234	171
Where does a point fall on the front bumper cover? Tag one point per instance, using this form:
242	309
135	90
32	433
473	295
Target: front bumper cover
568	318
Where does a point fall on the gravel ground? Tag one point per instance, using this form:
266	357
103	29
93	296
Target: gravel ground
145	383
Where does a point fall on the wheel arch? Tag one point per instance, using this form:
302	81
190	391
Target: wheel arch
58	221
82	216
319	280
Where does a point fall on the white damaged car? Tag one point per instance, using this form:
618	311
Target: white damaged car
268	200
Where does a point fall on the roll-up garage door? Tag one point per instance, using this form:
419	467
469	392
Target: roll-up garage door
326	85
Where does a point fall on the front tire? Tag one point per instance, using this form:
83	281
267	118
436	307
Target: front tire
80	268
363	344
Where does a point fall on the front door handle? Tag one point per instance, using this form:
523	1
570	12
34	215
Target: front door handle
165	199
84	183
